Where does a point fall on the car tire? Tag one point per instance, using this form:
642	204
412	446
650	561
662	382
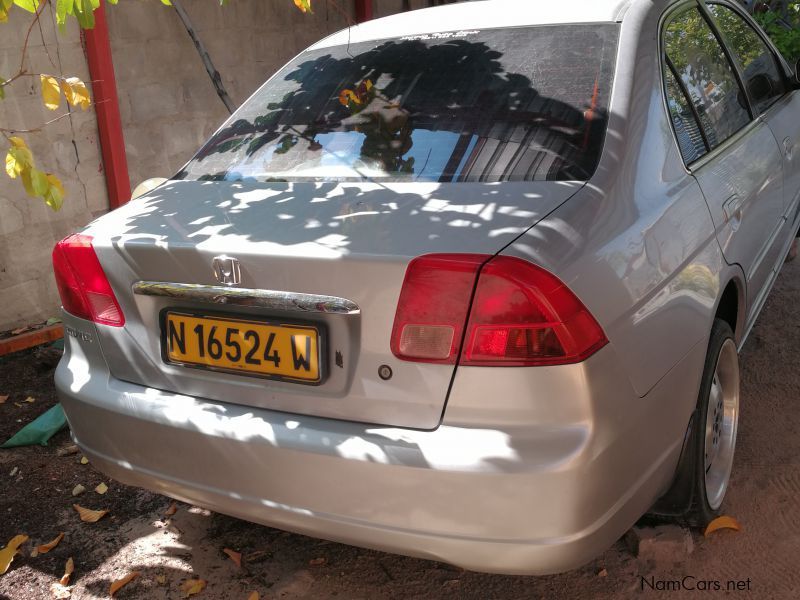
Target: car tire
704	469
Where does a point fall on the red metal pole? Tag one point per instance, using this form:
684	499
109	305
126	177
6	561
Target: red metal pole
106	105
363	10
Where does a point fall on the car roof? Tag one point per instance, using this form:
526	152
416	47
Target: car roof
480	14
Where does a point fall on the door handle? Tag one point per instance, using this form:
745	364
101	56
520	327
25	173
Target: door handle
788	147
733	208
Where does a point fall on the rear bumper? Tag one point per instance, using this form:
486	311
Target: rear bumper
508	498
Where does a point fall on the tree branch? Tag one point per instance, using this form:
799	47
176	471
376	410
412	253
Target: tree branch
36	16
216	79
35	129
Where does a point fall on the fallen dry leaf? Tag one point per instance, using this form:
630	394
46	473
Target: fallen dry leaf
7	554
236	557
257	556
34	553
78	490
173	508
19	330
84	460
30	400
59	592
101	489
723	522
88	515
67	450
3	399
69	568
120	583
318	562
253	596
602	573
45	548
161	579
190	587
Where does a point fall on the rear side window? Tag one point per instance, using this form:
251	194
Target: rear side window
687	130
707	75
517	104
760	71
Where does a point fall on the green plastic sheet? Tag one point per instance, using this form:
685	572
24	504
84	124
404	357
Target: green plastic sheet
41	429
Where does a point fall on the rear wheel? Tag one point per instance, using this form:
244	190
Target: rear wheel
721	423
705	468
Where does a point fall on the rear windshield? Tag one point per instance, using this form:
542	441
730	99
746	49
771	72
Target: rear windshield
517	104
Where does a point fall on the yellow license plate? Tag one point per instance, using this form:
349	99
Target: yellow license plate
242	346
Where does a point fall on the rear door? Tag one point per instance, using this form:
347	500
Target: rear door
738	163
773	96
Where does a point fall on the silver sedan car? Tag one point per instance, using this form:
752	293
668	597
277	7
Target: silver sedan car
466	283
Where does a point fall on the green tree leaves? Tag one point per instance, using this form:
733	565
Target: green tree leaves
29	5
786	39
37	184
74	91
19	163
303	5
51	92
5	6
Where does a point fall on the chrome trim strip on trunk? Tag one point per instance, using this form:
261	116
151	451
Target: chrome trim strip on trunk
270	299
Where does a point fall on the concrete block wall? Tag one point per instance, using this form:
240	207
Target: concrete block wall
383	8
68	147
167	103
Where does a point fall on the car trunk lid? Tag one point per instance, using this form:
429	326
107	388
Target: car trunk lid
349	243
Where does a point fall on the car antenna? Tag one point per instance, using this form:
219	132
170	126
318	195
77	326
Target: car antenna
349	27
347	18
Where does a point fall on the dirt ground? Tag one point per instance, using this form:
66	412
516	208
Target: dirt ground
763	559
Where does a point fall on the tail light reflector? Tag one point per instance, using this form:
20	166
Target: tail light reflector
83	286
433	306
520	315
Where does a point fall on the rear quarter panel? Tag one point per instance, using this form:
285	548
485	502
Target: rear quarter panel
637	244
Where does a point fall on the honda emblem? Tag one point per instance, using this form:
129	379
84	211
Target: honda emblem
226	270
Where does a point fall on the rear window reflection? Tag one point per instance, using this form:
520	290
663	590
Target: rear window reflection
521	104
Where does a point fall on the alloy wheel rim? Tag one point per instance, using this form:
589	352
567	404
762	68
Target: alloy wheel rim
722	420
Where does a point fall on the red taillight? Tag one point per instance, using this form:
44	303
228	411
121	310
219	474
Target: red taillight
521	315
433	306
83	286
